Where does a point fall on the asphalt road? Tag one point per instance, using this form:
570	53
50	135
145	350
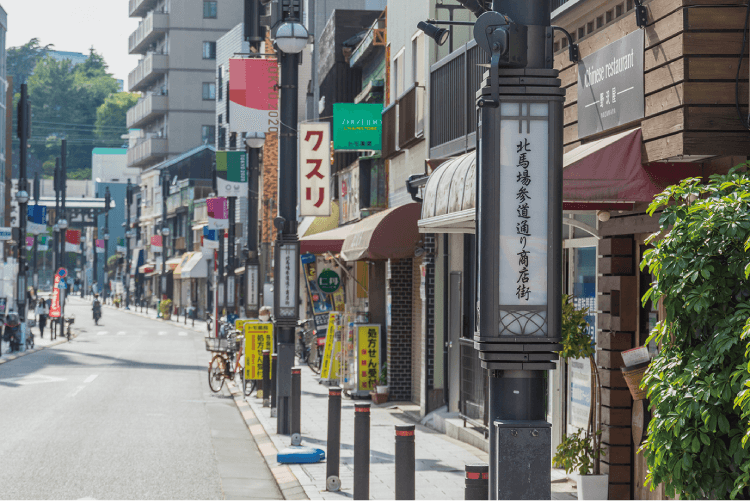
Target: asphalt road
123	411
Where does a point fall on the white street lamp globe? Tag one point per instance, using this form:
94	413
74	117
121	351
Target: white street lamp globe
106	236
129	233
63	224
56	227
291	37
83	239
22	196
255	139
165	231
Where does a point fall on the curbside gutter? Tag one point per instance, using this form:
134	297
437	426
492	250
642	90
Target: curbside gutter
286	480
37	348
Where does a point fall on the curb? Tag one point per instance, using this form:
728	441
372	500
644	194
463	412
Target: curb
144	315
34	350
288	484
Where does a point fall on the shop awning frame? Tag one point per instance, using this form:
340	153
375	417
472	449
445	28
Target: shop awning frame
390	234
196	267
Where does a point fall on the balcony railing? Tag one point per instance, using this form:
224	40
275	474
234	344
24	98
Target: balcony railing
147	150
151	29
139	8
403	122
146	110
455	80
148	70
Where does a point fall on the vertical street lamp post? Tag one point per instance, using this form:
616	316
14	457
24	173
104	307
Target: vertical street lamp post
107	202
290	38
63	189
254	143
230	255
128	235
55	249
22	197
164	231
35	274
83	264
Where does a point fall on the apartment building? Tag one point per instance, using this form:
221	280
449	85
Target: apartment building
175	75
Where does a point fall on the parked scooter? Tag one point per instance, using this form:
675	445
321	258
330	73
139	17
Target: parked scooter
12	331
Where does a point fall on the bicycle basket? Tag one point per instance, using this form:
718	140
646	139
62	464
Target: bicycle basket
217	344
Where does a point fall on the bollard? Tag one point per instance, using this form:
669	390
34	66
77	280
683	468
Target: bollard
477	481
266	379
362	451
333	442
273	385
296	407
405	461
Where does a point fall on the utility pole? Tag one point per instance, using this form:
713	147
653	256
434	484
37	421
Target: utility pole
164	230
230	253
56	243
128	235
63	188
254	35
107	202
22	196
519	210
291	39
36	236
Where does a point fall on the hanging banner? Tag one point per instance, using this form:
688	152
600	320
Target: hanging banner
368	366
73	241
357	126
6	233
228	189
29	243
325	370
121	245
54	309
232	166
100	246
315	169
156	245
42	243
37	219
218	213
258	337
209	239
253	95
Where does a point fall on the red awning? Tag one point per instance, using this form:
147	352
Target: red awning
608	173
326	241
390	234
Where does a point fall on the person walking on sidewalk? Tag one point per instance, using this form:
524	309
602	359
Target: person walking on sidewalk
42	312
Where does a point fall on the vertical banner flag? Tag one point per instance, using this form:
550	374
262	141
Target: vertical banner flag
357	126
258	337
315	169
156	245
121	245
73	241
218	213
42	243
253	95
29	243
54	309
368	341
37	219
231	173
209	239
100	246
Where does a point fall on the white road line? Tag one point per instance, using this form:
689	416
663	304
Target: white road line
162	333
182	333
77	391
121	333
91	378
101	333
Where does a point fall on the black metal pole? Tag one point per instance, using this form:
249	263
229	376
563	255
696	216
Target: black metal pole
272	384
477	478
222	279
107	202
56	242
35	275
361	451
126	277
164	194
333	440
405	462
296	407
63	195
266	377
23	135
230	255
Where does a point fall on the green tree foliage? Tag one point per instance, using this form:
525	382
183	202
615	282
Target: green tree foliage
22	61
699	382
64	103
113	112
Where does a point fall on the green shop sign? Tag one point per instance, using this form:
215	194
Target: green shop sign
357	126
329	281
232	166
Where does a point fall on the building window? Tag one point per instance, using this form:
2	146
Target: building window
209	91
209	10
222	138
221	81
208	134
209	50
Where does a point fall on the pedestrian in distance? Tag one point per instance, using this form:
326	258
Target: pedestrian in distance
41	312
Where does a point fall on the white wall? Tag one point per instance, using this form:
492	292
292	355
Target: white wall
112	168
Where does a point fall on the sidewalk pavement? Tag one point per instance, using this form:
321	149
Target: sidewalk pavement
39	343
440	460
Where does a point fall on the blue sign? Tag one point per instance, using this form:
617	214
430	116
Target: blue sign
62	272
62	285
307	258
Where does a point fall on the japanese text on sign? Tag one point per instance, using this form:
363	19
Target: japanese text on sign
368	368
258	337
315	169
288	292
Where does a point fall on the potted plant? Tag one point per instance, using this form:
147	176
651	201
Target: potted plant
582	450
165	308
380	395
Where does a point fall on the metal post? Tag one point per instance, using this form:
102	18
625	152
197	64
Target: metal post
163	277
477	478
266	377
222	280
55	243
274	371
126	277
63	190
333	440
23	135
107	202
361	451
296	400
405	462
230	254
36	237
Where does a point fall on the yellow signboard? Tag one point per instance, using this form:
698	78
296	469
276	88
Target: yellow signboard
240	322
325	370
368	359
258	337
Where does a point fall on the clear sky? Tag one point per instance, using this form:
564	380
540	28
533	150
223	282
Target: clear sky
75	26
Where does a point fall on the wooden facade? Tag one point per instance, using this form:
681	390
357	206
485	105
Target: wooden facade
691	52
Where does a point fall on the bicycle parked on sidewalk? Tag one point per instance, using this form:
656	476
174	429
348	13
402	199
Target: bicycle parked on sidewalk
305	351
227	350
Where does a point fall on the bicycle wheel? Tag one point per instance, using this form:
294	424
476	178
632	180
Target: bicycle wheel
313	362
216	373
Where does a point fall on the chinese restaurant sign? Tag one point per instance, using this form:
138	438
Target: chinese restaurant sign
315	169
357	126
258	337
368	343
523	207
253	95
610	85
